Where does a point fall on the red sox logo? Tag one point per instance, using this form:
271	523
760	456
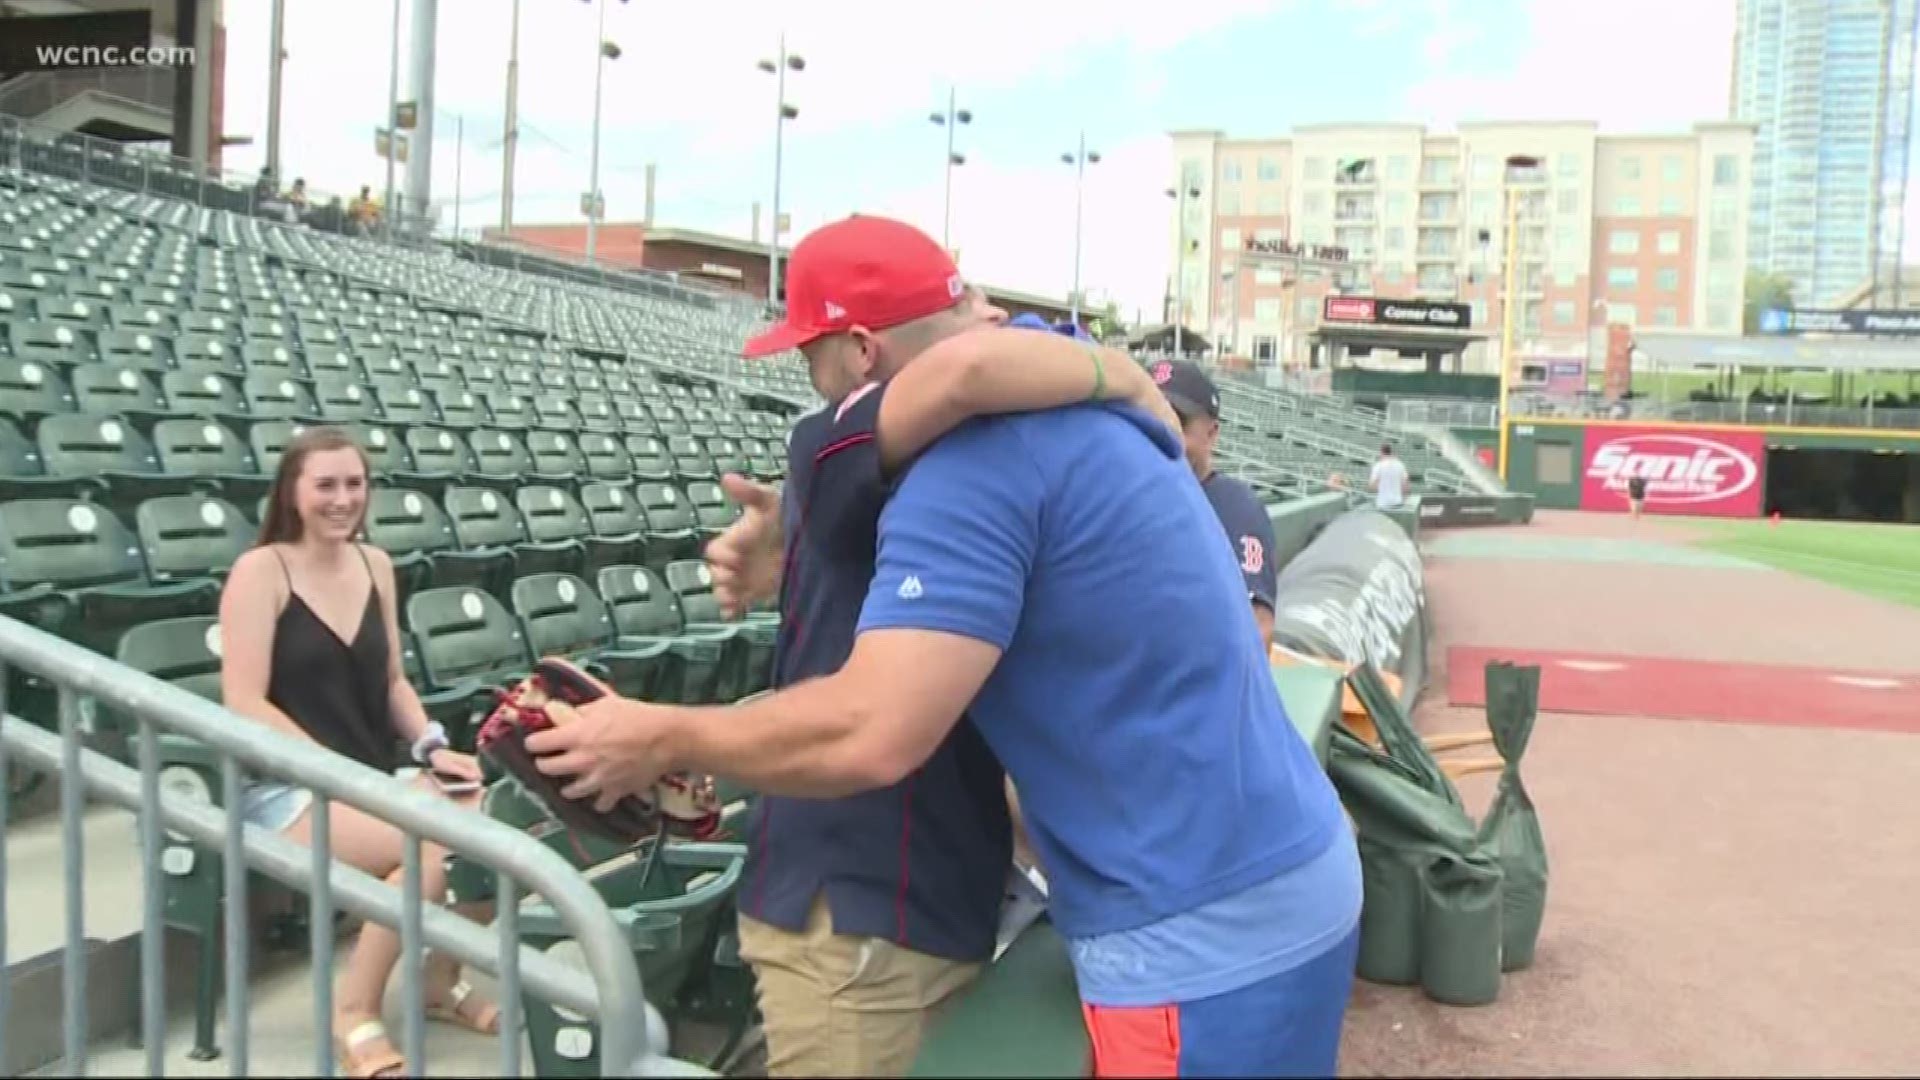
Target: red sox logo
1162	371
1252	555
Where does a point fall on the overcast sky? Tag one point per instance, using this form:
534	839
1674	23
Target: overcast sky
687	97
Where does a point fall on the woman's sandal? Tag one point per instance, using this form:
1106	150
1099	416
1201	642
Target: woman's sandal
365	1066
484	1017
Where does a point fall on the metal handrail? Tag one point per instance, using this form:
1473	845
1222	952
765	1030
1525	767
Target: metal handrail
613	995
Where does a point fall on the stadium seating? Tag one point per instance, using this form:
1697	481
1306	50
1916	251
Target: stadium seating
544	454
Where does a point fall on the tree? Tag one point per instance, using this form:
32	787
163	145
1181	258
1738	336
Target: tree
1765	292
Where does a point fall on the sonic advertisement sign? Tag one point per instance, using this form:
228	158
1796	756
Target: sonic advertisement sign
1707	473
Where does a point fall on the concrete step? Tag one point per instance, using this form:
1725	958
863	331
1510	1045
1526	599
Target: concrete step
281	1036
36	880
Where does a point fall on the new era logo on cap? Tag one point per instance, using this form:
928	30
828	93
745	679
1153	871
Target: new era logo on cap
872	272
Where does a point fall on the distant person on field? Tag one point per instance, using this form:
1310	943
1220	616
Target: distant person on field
1196	401
1636	495
1388	480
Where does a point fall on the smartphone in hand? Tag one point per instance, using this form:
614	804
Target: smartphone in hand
453	783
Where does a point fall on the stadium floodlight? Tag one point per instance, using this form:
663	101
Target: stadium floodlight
595	202
782	112
951	120
1079	160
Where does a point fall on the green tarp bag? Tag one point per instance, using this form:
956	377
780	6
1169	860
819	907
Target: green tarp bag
1436	909
1511	829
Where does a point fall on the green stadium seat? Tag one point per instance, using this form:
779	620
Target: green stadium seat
556	460
651	461
72	568
438	459
749	664
414	531
493	542
645	613
500	458
469	646
31	389
690	460
459	408
672	529
619	525
103	453
190	537
108	389
342	399
712	511
277	395
563	616
207	450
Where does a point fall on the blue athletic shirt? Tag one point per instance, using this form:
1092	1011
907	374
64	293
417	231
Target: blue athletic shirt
1132	705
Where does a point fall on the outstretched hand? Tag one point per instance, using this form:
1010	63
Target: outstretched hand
745	559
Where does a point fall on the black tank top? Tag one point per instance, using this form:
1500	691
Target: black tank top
337	691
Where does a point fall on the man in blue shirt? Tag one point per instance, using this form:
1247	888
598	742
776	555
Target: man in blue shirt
1249	530
1058	577
861	915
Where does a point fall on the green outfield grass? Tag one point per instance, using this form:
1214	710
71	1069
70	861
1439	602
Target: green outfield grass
1879	560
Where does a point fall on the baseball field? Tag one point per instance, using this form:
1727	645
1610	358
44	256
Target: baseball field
1878	560
1723	767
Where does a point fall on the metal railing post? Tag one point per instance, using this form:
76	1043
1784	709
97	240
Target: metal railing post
609	991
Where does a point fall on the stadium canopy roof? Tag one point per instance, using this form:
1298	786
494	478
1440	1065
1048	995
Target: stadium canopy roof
1369	336
1781	352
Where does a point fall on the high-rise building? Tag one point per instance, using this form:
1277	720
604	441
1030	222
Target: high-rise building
1644	230
1829	84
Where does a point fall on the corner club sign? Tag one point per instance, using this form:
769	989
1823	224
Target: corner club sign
1715	473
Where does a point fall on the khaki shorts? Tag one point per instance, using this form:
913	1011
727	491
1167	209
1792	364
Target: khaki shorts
835	1005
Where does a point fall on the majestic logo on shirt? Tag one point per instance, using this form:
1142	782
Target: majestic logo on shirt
910	588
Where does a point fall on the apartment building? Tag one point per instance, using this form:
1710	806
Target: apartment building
1645	230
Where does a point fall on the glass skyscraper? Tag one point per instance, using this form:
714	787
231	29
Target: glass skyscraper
1829	82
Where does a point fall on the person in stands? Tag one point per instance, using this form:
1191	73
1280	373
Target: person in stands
1249	530
1058	578
1388	479
310	646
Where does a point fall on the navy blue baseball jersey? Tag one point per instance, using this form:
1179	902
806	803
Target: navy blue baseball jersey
922	863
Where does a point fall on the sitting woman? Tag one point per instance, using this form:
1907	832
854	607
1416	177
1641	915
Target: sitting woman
310	641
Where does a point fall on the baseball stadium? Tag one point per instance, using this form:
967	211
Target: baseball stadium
1621	702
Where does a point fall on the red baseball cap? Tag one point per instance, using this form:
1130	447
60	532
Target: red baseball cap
861	271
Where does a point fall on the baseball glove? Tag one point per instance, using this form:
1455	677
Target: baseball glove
679	804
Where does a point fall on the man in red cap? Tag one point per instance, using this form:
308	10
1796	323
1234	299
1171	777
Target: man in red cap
1056	586
861	915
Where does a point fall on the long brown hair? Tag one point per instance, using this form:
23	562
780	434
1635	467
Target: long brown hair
281	522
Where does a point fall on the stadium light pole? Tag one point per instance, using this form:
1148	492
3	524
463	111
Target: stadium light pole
393	119
782	112
510	138
1180	196
604	51
1079	160
951	120
1518	167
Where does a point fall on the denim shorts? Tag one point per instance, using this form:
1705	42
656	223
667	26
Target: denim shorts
273	805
